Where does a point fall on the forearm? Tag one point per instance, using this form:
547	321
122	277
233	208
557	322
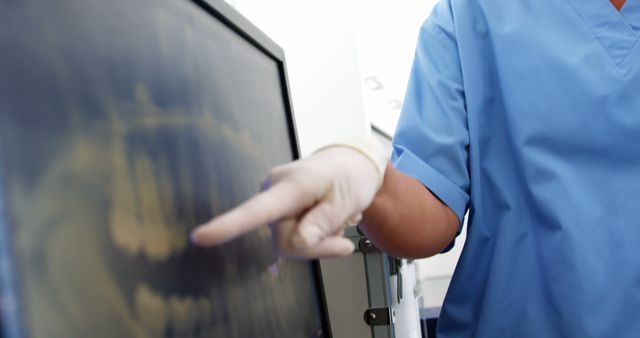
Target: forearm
406	220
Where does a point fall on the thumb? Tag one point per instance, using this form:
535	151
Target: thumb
320	222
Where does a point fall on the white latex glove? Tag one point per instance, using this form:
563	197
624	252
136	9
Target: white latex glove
311	201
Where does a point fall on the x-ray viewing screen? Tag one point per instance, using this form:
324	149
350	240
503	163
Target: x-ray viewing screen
123	125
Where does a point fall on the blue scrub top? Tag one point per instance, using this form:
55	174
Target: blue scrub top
527	113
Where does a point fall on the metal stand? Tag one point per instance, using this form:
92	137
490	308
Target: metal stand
380	315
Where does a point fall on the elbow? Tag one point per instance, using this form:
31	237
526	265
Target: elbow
412	237
406	220
412	246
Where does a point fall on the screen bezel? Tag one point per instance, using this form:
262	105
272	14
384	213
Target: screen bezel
231	18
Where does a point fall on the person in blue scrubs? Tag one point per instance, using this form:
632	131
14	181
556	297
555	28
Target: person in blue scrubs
526	114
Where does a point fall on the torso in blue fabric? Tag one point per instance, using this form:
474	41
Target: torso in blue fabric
527	114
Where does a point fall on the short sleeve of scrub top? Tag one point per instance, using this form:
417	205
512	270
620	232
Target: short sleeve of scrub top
431	141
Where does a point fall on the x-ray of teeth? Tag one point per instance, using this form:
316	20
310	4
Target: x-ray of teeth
123	125
152	310
182	315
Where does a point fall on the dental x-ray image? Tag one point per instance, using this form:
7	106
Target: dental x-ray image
123	125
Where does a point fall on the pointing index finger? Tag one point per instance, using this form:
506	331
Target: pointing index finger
282	199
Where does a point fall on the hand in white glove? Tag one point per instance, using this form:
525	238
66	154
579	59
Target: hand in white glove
311	200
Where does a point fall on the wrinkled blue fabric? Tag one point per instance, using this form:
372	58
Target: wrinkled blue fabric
527	114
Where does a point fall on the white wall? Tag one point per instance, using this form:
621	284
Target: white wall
319	42
386	34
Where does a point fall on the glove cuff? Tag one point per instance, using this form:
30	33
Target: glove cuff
370	148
